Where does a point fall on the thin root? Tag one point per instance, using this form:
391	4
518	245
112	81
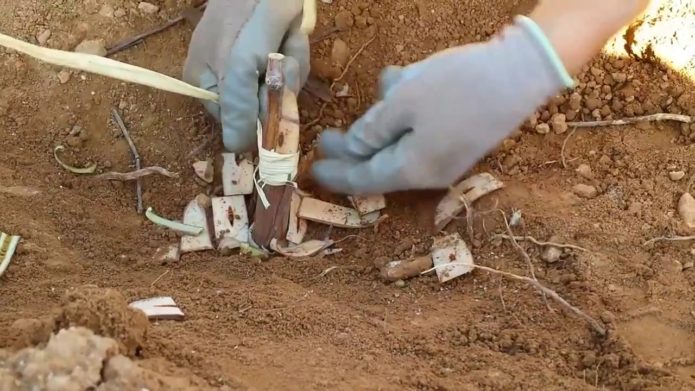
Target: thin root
135	175
542	244
564	145
669	239
626	121
547	291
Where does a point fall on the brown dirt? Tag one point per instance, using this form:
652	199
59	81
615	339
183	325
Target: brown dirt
252	325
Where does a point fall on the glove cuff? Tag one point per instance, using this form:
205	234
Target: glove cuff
544	45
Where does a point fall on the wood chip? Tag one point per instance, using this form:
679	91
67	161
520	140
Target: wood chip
306	249
195	215
451	249
231	221
368	204
472	189
237	179
204	170
297	227
168	254
159	308
403	270
339	216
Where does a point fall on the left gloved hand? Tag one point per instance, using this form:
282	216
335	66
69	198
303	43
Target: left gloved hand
228	55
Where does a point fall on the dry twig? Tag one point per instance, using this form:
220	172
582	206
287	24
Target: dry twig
135	175
132	41
627	121
669	239
542	244
547	291
159	278
136	156
564	145
352	60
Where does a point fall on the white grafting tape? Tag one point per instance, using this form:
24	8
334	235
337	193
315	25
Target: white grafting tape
274	169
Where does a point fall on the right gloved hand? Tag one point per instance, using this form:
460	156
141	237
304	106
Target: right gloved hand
438	117
228	55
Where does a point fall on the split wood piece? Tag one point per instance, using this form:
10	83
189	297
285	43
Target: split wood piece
403	270
231	222
195	215
368	204
204	170
159	308
472	189
281	135
297	226
306	249
171	253
237	179
451	250
339	216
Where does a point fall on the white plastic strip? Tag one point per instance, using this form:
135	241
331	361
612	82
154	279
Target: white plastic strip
108	67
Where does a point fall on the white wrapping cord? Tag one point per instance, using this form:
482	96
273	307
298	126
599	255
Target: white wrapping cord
274	169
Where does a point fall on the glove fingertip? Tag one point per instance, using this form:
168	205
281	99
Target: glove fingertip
330	174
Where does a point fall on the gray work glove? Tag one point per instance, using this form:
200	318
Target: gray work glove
438	117
228	55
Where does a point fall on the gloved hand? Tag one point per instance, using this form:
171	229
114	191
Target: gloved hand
228	55
438	117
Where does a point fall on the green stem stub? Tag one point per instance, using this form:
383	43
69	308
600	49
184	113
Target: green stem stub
173	225
76	170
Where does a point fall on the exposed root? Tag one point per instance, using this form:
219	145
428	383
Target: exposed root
627	121
546	291
564	145
668	239
542	244
135	175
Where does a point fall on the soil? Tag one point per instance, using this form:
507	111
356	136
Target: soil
287	324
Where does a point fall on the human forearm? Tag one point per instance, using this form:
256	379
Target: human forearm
578	29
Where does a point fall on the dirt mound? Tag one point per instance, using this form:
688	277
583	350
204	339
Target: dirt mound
77	359
103	311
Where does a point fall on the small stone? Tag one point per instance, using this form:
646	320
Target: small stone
635	209
43	37
64	76
589	359
543	128
148	8
676	175
341	53
106	11
585	191
619	77
593	103
584	170
74	141
688	265
119	13
575	101
686	208
344	20
399	284
92	46
559	122
552	254
204	201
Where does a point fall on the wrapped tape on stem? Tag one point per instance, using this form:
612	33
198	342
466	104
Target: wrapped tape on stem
274	169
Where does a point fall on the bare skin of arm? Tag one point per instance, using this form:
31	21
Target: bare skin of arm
598	20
